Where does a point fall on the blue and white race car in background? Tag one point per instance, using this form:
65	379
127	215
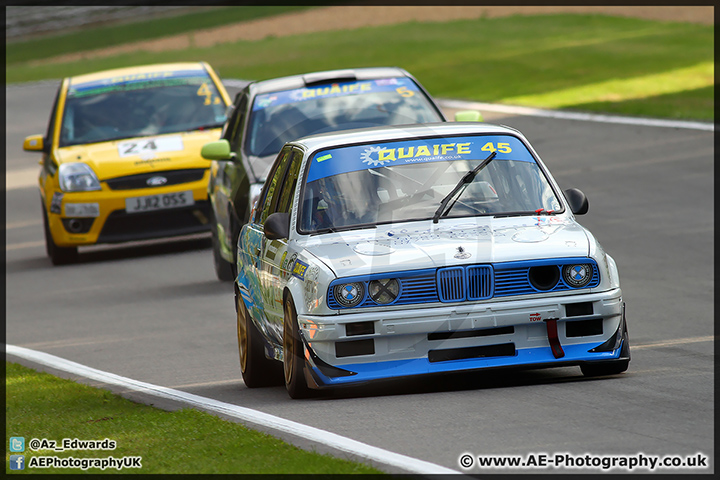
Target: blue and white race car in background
400	251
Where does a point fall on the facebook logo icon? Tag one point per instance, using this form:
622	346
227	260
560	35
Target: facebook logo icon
17	462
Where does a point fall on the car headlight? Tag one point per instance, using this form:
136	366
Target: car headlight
349	294
77	177
384	291
578	275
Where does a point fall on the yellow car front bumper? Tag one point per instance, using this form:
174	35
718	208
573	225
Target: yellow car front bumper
88	218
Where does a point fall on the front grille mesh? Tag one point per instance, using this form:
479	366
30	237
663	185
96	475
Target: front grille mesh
123	227
451	284
173	177
480	282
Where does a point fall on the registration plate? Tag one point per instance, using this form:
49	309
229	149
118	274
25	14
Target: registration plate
159	202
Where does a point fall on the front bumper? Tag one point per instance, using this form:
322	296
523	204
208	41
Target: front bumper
113	224
357	348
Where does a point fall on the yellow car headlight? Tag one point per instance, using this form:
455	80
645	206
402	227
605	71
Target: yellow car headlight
77	177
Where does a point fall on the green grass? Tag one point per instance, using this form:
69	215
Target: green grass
584	62
39	405
107	36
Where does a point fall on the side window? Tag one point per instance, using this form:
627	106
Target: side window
268	197
288	187
53	114
235	125
50	134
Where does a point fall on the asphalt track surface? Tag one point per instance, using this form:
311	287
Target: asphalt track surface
154	312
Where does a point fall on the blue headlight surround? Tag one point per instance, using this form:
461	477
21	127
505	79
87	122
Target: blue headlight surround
512	278
415	286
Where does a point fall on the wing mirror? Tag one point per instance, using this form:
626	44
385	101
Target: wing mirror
577	200
34	143
277	226
468	116
217	150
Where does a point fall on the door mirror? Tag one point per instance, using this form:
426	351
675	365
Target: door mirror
277	226
468	116
34	143
217	150
577	200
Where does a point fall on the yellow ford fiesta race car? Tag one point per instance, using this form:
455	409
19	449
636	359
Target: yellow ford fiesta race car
121	155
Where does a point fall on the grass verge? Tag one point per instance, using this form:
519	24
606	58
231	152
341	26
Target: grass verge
39	405
586	62
111	35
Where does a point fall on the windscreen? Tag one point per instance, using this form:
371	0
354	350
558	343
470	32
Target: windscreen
280	117
140	105
401	181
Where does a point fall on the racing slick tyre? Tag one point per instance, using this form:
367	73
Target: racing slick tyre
293	358
58	255
613	367
257	369
223	268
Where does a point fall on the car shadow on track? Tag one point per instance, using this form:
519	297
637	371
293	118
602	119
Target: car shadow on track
26	265
144	249
462	381
199	288
441	383
115	252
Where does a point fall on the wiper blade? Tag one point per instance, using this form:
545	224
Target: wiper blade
512	214
324	230
342	229
466	179
539	211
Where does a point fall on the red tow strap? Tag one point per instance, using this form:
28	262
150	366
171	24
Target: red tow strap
552	332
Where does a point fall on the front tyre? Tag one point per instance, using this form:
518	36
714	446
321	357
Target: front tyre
58	255
257	369
293	358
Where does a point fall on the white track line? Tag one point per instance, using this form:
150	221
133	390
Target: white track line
566	115
677	341
316	435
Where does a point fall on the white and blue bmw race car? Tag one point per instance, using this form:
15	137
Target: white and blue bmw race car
400	251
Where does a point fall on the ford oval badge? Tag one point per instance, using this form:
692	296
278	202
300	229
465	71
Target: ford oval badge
156	181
